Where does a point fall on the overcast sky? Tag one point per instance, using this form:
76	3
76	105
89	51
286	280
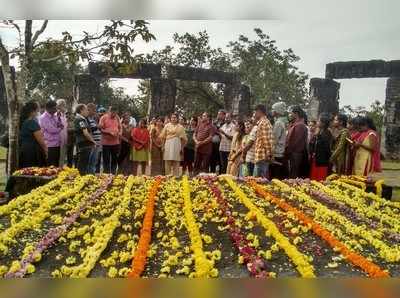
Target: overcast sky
317	41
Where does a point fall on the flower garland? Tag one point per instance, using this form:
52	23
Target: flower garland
380	201
35	171
299	259
203	266
254	264
140	256
390	254
55	233
372	269
359	184
378	186
38	215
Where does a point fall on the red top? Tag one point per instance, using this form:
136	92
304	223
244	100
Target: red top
141	138
110	130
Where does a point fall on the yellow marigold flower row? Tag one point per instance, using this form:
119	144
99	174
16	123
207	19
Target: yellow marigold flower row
380	201
359	205
203	266
390	254
299	259
102	234
38	215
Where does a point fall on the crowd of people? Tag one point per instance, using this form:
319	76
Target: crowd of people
280	143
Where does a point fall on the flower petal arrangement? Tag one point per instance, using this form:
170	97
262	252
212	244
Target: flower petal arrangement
201	227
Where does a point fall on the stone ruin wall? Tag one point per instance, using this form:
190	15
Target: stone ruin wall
324	95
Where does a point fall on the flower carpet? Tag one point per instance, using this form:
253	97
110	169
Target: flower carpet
207	226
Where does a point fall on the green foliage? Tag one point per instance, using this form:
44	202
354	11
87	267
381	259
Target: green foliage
375	111
53	78
123	102
270	73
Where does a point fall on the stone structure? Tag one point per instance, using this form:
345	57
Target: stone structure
324	95
362	69
391	127
163	87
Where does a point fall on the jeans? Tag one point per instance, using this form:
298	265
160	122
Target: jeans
261	169
94	155
110	158
83	159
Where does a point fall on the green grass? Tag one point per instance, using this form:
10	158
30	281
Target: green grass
3	153
391	165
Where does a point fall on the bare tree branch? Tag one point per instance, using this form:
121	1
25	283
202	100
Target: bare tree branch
40	31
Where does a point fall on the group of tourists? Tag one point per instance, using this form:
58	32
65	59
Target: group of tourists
279	144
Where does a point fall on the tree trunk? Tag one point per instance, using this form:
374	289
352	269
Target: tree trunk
13	110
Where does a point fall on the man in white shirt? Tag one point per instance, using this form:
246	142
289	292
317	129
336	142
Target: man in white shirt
226	132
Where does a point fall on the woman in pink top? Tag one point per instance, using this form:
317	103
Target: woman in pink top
110	126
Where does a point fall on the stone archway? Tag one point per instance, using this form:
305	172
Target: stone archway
324	95
163	88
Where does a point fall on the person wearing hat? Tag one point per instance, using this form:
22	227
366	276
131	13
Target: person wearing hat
278	168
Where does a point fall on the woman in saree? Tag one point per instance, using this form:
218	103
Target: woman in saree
157	166
367	149
235	156
341	149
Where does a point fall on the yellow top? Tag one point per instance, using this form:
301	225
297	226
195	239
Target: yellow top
173	131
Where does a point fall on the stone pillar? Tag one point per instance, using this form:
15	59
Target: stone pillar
86	89
237	99
324	97
163	94
231	95
390	144
244	101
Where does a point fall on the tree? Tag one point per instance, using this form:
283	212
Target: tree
53	78
376	112
192	50
113	43
270	73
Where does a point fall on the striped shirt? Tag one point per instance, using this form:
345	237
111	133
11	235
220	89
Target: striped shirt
94	129
203	132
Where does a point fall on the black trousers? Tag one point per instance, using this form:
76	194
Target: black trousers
110	158
83	159
124	152
223	156
53	158
70	155
279	171
214	159
201	162
99	161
